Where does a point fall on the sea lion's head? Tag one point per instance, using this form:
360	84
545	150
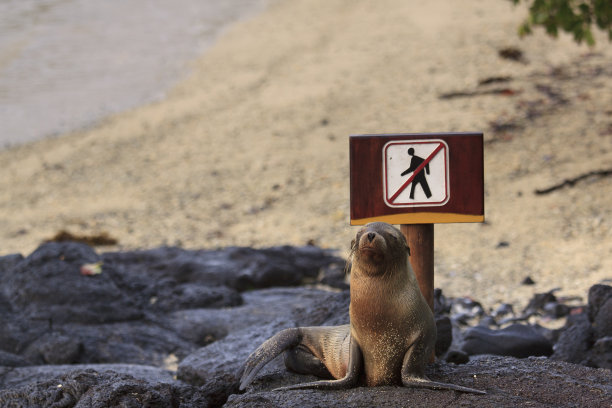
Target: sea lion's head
378	247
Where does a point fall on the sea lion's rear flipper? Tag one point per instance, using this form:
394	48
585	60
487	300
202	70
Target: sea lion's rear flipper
355	363
270	348
434	385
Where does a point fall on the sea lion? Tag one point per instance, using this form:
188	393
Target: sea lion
391	335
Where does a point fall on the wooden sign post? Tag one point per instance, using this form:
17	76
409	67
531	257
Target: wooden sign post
417	180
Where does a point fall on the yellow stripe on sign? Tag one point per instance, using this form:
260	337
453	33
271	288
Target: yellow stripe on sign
420	218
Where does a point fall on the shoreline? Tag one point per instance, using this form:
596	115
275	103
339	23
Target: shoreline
67	66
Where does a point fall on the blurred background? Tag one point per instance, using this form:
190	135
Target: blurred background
204	124
66	64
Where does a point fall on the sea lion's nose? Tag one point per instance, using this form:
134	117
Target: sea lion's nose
371	236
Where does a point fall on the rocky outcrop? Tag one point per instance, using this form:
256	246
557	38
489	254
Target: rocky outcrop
587	336
169	327
509	382
139	308
101	386
517	340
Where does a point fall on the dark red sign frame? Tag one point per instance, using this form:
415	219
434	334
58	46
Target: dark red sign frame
466	189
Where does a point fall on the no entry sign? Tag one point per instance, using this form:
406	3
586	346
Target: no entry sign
417	178
415	173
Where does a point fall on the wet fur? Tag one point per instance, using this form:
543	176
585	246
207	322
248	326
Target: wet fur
392	331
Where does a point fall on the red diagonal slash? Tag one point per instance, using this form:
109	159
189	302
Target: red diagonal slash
414	174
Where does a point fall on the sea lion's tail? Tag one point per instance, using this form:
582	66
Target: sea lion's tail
270	348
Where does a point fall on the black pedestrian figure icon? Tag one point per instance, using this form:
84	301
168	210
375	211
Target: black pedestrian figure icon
419	178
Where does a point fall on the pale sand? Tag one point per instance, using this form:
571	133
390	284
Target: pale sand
253	148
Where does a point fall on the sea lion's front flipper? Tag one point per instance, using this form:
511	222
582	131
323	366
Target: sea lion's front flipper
270	348
434	385
414	377
355	364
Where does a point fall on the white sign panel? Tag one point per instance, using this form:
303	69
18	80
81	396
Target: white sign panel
415	173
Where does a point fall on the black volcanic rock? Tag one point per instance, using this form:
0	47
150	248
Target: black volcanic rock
104	388
600	309
76	340
52	313
48	286
586	337
517	340
239	268
509	382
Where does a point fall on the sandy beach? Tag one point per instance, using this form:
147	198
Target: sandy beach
252	149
